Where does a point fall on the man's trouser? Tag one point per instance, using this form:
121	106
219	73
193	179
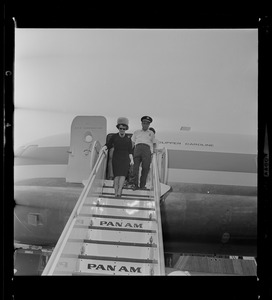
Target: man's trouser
142	154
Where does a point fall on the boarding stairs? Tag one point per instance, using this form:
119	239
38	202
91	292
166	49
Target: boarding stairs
106	235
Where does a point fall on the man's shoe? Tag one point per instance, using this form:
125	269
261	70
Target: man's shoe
143	188
135	187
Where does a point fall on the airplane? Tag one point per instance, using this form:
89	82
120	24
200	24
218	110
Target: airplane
209	183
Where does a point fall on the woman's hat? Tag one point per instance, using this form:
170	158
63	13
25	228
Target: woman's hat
122	121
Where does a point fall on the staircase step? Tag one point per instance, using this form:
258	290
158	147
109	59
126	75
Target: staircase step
121	202
117	217
113	235
108	222
122	266
120	212
127	196
140	192
121	205
116	250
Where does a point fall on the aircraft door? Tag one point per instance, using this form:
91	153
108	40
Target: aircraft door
88	135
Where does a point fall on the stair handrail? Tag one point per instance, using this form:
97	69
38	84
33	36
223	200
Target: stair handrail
162	158
50	266
165	178
96	147
157	195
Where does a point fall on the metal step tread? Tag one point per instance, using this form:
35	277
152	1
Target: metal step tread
127	188
95	265
103	242
124	259
116	217
115	229
120	212
141	192
118	206
105	265
135	236
117	250
126	197
116	222
121	243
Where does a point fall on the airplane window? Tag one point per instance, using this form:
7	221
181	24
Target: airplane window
88	138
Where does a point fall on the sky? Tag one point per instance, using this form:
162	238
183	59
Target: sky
205	79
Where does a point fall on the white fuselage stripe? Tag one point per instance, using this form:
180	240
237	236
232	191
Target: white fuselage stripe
39	171
212	177
212	161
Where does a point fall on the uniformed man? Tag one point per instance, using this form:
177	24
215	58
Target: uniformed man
143	140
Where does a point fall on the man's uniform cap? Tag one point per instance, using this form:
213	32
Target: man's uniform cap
146	118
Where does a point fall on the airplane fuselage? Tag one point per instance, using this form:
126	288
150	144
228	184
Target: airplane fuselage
211	208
